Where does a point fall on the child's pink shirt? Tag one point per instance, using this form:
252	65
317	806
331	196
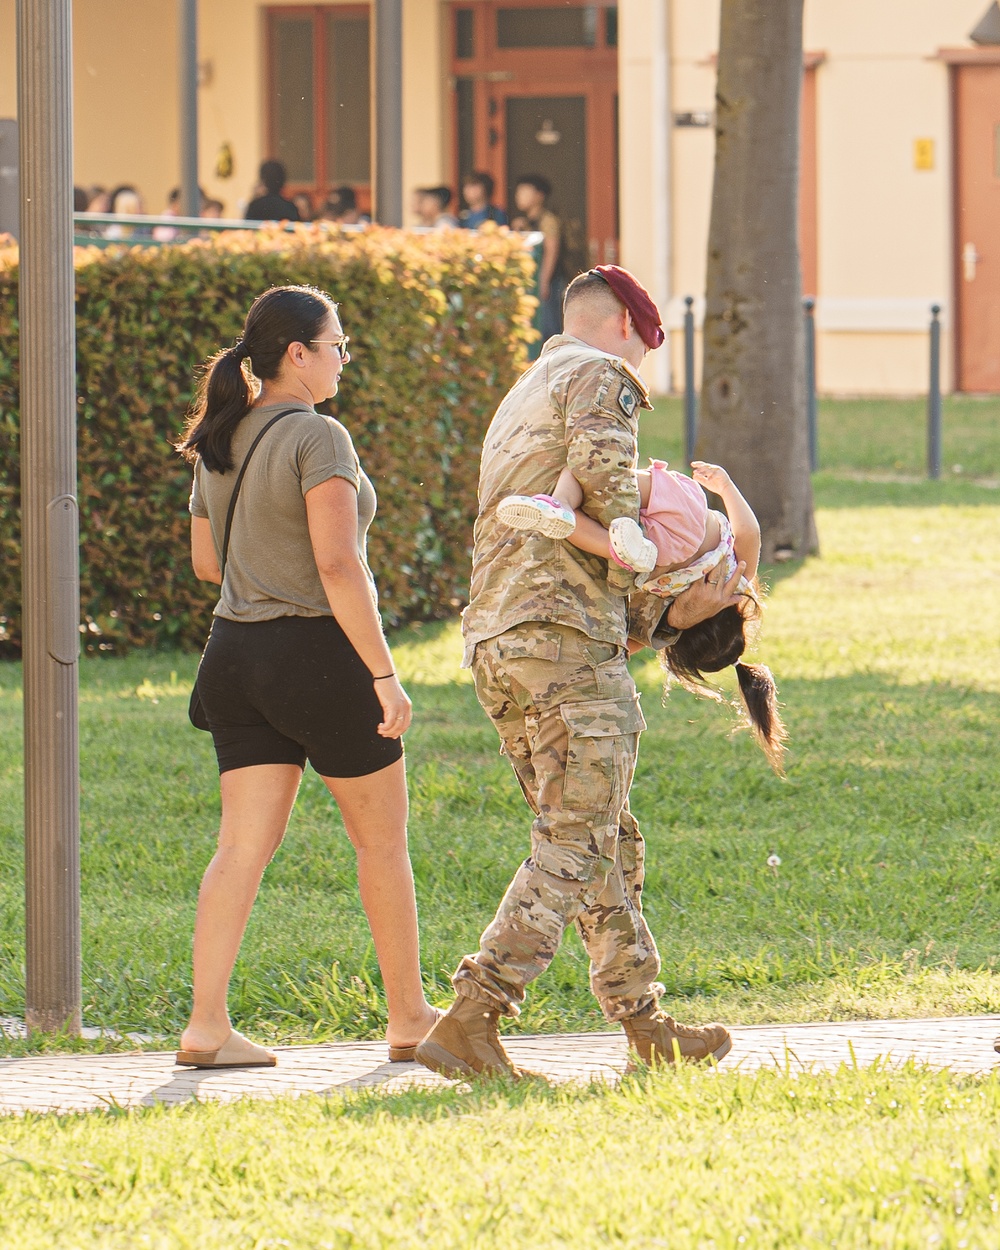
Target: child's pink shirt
676	515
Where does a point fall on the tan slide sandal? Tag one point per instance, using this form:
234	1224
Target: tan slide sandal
236	1051
408	1054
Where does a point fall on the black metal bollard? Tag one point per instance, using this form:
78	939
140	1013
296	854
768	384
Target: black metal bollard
690	399
934	399
809	307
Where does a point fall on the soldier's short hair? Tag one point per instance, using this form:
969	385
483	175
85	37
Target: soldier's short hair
592	287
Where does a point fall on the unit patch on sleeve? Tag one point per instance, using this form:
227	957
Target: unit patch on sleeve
626	400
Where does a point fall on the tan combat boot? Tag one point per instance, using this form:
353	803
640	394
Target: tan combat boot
652	1039
465	1041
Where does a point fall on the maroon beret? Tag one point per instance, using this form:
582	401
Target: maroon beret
637	300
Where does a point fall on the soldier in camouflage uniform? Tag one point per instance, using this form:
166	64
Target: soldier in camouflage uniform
546	633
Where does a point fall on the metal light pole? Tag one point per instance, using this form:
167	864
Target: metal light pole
809	307
50	544
934	399
690	397
190	205
388	112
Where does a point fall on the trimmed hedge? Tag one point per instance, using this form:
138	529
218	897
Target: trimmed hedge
439	325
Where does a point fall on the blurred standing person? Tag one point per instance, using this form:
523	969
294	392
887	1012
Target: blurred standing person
167	234
477	191
430	206
341	206
94	200
99	200
272	205
303	202
531	195
126	203
296	667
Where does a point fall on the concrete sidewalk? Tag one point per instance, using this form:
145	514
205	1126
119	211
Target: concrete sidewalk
90	1082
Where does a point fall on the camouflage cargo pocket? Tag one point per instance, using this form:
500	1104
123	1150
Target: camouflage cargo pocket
600	752
531	642
632	855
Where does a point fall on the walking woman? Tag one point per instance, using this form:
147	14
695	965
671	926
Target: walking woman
296	667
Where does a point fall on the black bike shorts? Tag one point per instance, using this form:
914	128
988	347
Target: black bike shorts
290	690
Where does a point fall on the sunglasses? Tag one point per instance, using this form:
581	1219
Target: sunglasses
340	344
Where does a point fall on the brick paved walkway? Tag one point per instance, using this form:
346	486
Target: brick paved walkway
88	1082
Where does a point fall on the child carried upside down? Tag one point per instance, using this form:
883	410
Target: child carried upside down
680	541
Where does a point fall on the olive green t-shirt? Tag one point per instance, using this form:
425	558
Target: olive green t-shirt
270	569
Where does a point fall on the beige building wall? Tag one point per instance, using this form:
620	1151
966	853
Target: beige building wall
426	149
231	55
8	59
232	101
884	227
644	156
126	93
694	39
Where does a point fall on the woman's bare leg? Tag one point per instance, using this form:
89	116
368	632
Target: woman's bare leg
375	809
256	804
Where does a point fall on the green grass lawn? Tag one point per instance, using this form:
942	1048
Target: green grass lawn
874	437
885	652
885	903
855	1159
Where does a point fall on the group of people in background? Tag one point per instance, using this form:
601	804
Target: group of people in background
431	207
531	211
125	201
271	202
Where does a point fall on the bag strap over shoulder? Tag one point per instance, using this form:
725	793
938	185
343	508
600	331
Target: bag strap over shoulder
239	482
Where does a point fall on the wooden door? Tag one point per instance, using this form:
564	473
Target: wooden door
977	226
318	97
549	134
536	93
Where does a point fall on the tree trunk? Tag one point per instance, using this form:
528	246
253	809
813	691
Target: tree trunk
753	407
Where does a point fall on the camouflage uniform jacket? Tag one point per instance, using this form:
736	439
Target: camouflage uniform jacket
576	407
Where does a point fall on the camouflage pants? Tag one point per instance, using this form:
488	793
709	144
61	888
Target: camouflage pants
568	715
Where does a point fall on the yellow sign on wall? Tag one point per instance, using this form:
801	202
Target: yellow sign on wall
923	153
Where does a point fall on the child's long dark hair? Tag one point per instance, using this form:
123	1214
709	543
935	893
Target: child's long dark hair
713	645
226	392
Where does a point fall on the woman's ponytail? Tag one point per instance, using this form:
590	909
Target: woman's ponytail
223	400
759	697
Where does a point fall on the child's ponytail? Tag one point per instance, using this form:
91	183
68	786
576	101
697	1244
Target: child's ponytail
717	643
759	697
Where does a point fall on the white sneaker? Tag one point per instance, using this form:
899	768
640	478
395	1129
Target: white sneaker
540	513
631	545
